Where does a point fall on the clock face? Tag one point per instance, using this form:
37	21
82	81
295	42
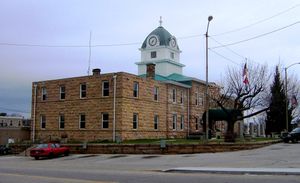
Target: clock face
173	43
152	41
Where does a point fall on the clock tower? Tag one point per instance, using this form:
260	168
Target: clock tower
160	48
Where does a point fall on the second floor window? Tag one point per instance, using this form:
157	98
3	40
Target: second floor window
174	95
81	121
105	88
135	89
181	97
82	90
156	93
62	92
44	93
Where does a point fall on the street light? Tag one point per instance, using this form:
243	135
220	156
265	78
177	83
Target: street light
206	89
286	101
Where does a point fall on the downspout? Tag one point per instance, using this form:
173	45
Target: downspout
188	111
34	111
114	110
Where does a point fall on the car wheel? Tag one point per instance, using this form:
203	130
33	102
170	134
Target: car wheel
286	141
50	155
67	153
36	157
294	140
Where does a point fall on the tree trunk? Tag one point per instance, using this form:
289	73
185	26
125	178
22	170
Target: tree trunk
229	135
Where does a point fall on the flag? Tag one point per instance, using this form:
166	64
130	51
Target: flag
294	101
245	75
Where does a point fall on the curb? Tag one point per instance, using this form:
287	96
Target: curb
237	171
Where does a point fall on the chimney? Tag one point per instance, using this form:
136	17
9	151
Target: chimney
96	72
150	71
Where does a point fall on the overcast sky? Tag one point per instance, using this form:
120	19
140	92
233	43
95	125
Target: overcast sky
48	39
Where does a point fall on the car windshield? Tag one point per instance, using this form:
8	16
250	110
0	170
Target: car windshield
42	146
296	130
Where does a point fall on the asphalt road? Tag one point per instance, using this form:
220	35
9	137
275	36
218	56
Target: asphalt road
149	168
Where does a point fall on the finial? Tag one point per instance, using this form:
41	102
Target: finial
160	21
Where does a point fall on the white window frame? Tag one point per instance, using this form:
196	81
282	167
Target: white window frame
43	121
156	121
81	91
174	93
135	121
174	122
44	93
197	123
103	121
80	121
156	93
105	89
60	121
135	89
62	92
181	97
182	122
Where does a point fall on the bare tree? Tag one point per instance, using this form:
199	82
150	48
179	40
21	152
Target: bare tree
238	97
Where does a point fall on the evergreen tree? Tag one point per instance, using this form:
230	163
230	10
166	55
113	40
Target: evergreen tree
276	116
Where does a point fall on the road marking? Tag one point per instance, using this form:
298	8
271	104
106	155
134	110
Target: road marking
65	180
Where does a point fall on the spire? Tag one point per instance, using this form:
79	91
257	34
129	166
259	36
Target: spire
160	21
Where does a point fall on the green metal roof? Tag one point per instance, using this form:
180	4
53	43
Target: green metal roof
163	35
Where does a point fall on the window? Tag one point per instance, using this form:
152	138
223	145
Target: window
200	100
11	123
172	55
197	123
174	95
44	93
174	126
135	89
82	90
196	98
181	97
61	121
43	121
182	122
62	92
82	121
156	93
105	88
105	120
135	121
155	122
153	54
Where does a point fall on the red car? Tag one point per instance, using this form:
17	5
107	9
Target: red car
49	150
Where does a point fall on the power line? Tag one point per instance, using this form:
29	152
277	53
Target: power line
67	46
14	110
227	48
258	22
255	37
223	57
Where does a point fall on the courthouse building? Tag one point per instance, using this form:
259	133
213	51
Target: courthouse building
159	102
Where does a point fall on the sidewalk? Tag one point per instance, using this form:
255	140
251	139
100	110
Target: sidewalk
255	171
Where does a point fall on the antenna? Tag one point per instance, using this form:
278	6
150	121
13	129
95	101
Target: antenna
90	53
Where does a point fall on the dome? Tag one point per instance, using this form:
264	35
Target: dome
164	37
